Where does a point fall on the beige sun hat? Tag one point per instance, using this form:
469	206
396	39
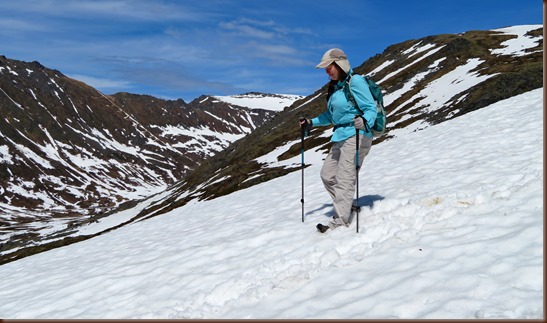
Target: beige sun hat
335	55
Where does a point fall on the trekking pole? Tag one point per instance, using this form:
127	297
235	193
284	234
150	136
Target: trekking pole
357	173
302	135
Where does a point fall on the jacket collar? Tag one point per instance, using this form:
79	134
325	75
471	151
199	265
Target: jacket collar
341	84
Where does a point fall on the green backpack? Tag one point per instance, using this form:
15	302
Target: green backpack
380	124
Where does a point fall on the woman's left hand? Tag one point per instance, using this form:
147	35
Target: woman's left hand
359	123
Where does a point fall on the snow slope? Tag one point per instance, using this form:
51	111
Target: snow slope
452	227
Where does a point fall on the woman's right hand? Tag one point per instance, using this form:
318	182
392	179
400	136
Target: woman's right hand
305	125
304	122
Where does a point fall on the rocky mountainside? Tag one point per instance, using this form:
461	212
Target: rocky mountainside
425	81
68	150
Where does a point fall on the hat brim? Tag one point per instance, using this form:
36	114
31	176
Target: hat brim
324	64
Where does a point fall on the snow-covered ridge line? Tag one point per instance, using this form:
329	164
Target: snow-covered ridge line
273	102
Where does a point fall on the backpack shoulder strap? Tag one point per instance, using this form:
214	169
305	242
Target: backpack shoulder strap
349	93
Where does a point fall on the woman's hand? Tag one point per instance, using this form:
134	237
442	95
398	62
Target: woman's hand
306	125
359	123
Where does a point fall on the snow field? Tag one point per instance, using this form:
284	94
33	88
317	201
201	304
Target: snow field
451	227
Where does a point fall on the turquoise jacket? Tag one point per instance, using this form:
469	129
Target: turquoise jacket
340	112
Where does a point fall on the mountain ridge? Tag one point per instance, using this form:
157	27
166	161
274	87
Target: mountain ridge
68	151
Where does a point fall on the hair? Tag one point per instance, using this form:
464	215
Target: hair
342	76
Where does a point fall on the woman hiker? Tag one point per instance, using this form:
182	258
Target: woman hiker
339	170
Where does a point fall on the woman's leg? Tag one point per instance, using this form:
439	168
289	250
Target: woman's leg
344	189
330	168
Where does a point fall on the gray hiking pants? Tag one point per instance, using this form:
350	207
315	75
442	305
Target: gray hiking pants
339	175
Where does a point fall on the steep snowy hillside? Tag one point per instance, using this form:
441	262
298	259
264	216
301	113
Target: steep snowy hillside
451	228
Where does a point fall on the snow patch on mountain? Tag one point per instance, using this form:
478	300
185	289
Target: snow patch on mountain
518	45
273	102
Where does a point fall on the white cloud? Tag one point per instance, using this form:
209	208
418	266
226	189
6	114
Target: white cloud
100	83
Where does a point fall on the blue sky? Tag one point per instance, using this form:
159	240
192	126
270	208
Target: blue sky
182	49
